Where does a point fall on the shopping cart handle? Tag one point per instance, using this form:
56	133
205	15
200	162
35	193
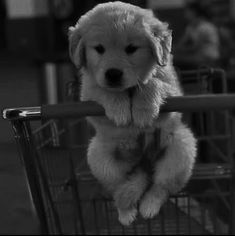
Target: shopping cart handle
72	110
81	109
182	104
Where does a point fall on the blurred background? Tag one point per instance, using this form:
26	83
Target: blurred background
35	69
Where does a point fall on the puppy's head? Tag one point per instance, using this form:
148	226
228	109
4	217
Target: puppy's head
119	45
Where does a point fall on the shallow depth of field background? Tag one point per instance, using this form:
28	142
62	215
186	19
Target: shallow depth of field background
35	69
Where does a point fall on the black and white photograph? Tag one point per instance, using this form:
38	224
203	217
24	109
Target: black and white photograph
117	117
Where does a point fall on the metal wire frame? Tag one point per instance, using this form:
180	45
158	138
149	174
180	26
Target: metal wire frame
205	80
23	138
45	198
203	172
36	175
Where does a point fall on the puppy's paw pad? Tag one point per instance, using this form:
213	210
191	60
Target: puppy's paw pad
149	207
127	217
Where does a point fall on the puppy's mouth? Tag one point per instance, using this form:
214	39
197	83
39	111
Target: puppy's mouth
115	89
128	89
120	86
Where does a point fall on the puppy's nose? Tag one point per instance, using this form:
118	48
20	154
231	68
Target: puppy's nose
114	77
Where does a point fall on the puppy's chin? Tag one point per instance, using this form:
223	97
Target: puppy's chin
113	89
119	89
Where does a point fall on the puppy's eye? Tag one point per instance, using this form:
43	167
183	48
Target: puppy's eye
130	49
100	49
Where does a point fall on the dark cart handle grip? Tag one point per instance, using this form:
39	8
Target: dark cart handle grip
81	109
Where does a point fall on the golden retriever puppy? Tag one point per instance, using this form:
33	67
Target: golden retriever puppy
139	155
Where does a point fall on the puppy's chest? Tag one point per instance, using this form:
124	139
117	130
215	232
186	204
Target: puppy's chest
145	146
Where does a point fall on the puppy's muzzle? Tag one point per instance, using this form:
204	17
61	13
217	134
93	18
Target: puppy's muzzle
114	77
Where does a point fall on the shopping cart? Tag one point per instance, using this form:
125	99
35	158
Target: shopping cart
68	200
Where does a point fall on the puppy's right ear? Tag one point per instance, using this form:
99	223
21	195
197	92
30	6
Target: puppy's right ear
76	47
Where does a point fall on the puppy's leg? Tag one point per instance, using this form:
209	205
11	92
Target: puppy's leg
116	105
117	108
148	100
112	174
128	194
127	216
130	191
146	105
174	170
152	201
103	165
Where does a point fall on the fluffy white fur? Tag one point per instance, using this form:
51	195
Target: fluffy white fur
99	42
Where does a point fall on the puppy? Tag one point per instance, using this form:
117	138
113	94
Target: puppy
139	155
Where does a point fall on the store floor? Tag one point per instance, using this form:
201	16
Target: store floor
16	215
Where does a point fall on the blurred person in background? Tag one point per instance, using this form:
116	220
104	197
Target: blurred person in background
200	44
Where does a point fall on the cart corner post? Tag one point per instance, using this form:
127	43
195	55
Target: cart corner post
22	132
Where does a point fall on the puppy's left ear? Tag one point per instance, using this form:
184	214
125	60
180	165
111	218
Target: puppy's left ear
161	41
76	47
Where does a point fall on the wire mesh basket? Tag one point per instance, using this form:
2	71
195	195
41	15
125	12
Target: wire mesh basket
68	200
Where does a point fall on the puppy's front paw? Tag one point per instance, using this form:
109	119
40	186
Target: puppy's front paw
150	206
127	217
119	112
144	117
127	196
129	193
